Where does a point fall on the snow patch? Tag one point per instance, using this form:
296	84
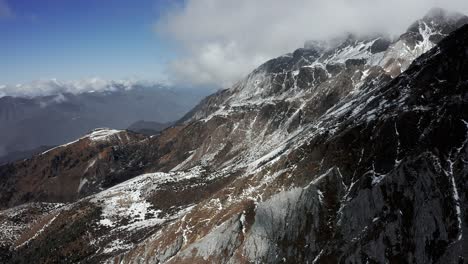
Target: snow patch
83	181
117	245
38	232
102	134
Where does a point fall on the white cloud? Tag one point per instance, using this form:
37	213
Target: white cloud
55	87
220	41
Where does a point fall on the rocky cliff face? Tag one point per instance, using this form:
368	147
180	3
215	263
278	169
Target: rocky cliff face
348	154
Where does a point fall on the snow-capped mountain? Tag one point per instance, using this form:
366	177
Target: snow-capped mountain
352	153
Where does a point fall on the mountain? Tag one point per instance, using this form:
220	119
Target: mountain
18	155
148	127
352	153
53	119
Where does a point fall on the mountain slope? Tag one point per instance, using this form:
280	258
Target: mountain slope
148	127
320	156
386	184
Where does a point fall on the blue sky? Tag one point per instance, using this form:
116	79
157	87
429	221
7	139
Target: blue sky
74	39
214	42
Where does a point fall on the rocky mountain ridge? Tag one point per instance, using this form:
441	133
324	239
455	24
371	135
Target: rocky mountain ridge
349	155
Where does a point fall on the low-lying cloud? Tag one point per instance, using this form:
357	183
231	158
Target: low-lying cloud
55	87
220	41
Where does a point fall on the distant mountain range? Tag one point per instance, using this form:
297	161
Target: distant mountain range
53	113
352	153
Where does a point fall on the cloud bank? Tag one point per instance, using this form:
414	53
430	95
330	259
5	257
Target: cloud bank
55	87
220	41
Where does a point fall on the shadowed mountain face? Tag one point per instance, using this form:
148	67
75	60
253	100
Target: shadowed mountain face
351	154
148	127
52	120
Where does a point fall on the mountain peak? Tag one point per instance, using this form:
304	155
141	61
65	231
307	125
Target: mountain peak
440	14
329	156
439	20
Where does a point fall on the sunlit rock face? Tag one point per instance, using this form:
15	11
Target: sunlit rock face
353	153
